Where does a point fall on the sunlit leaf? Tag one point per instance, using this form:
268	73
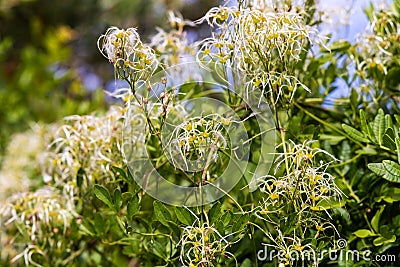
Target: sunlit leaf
117	199
379	126
363	233
102	193
133	207
161	213
379	241
354	134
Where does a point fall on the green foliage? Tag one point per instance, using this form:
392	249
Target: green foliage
383	134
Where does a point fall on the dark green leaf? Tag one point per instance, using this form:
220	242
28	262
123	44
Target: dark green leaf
386	231
184	216
87	228
161	213
388	139
394	169
158	249
379	241
240	224
246	263
215	212
117	199
226	218
388	121
316	133
365	128
338	46
379	126
129	177
102	193
363	233
133	206
100	225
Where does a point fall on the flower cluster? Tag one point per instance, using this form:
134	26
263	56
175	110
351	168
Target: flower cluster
42	218
173	46
265	45
203	245
201	137
133	60
306	185
88	143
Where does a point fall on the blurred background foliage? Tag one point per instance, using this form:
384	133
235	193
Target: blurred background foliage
50	65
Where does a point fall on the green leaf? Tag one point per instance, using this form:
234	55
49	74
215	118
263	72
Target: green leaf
226	218
117	199
366	151
161	213
184	216
365	128
397	141
363	233
388	139
354	134
397	117
388	121
246	263
338	46
79	177
376	218
87	228
377	168
215	213
102	193
353	98
332	139
133	206
100	225
120	173
386	231
388	194
379	126
158	249
331	204
379	241
240	224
